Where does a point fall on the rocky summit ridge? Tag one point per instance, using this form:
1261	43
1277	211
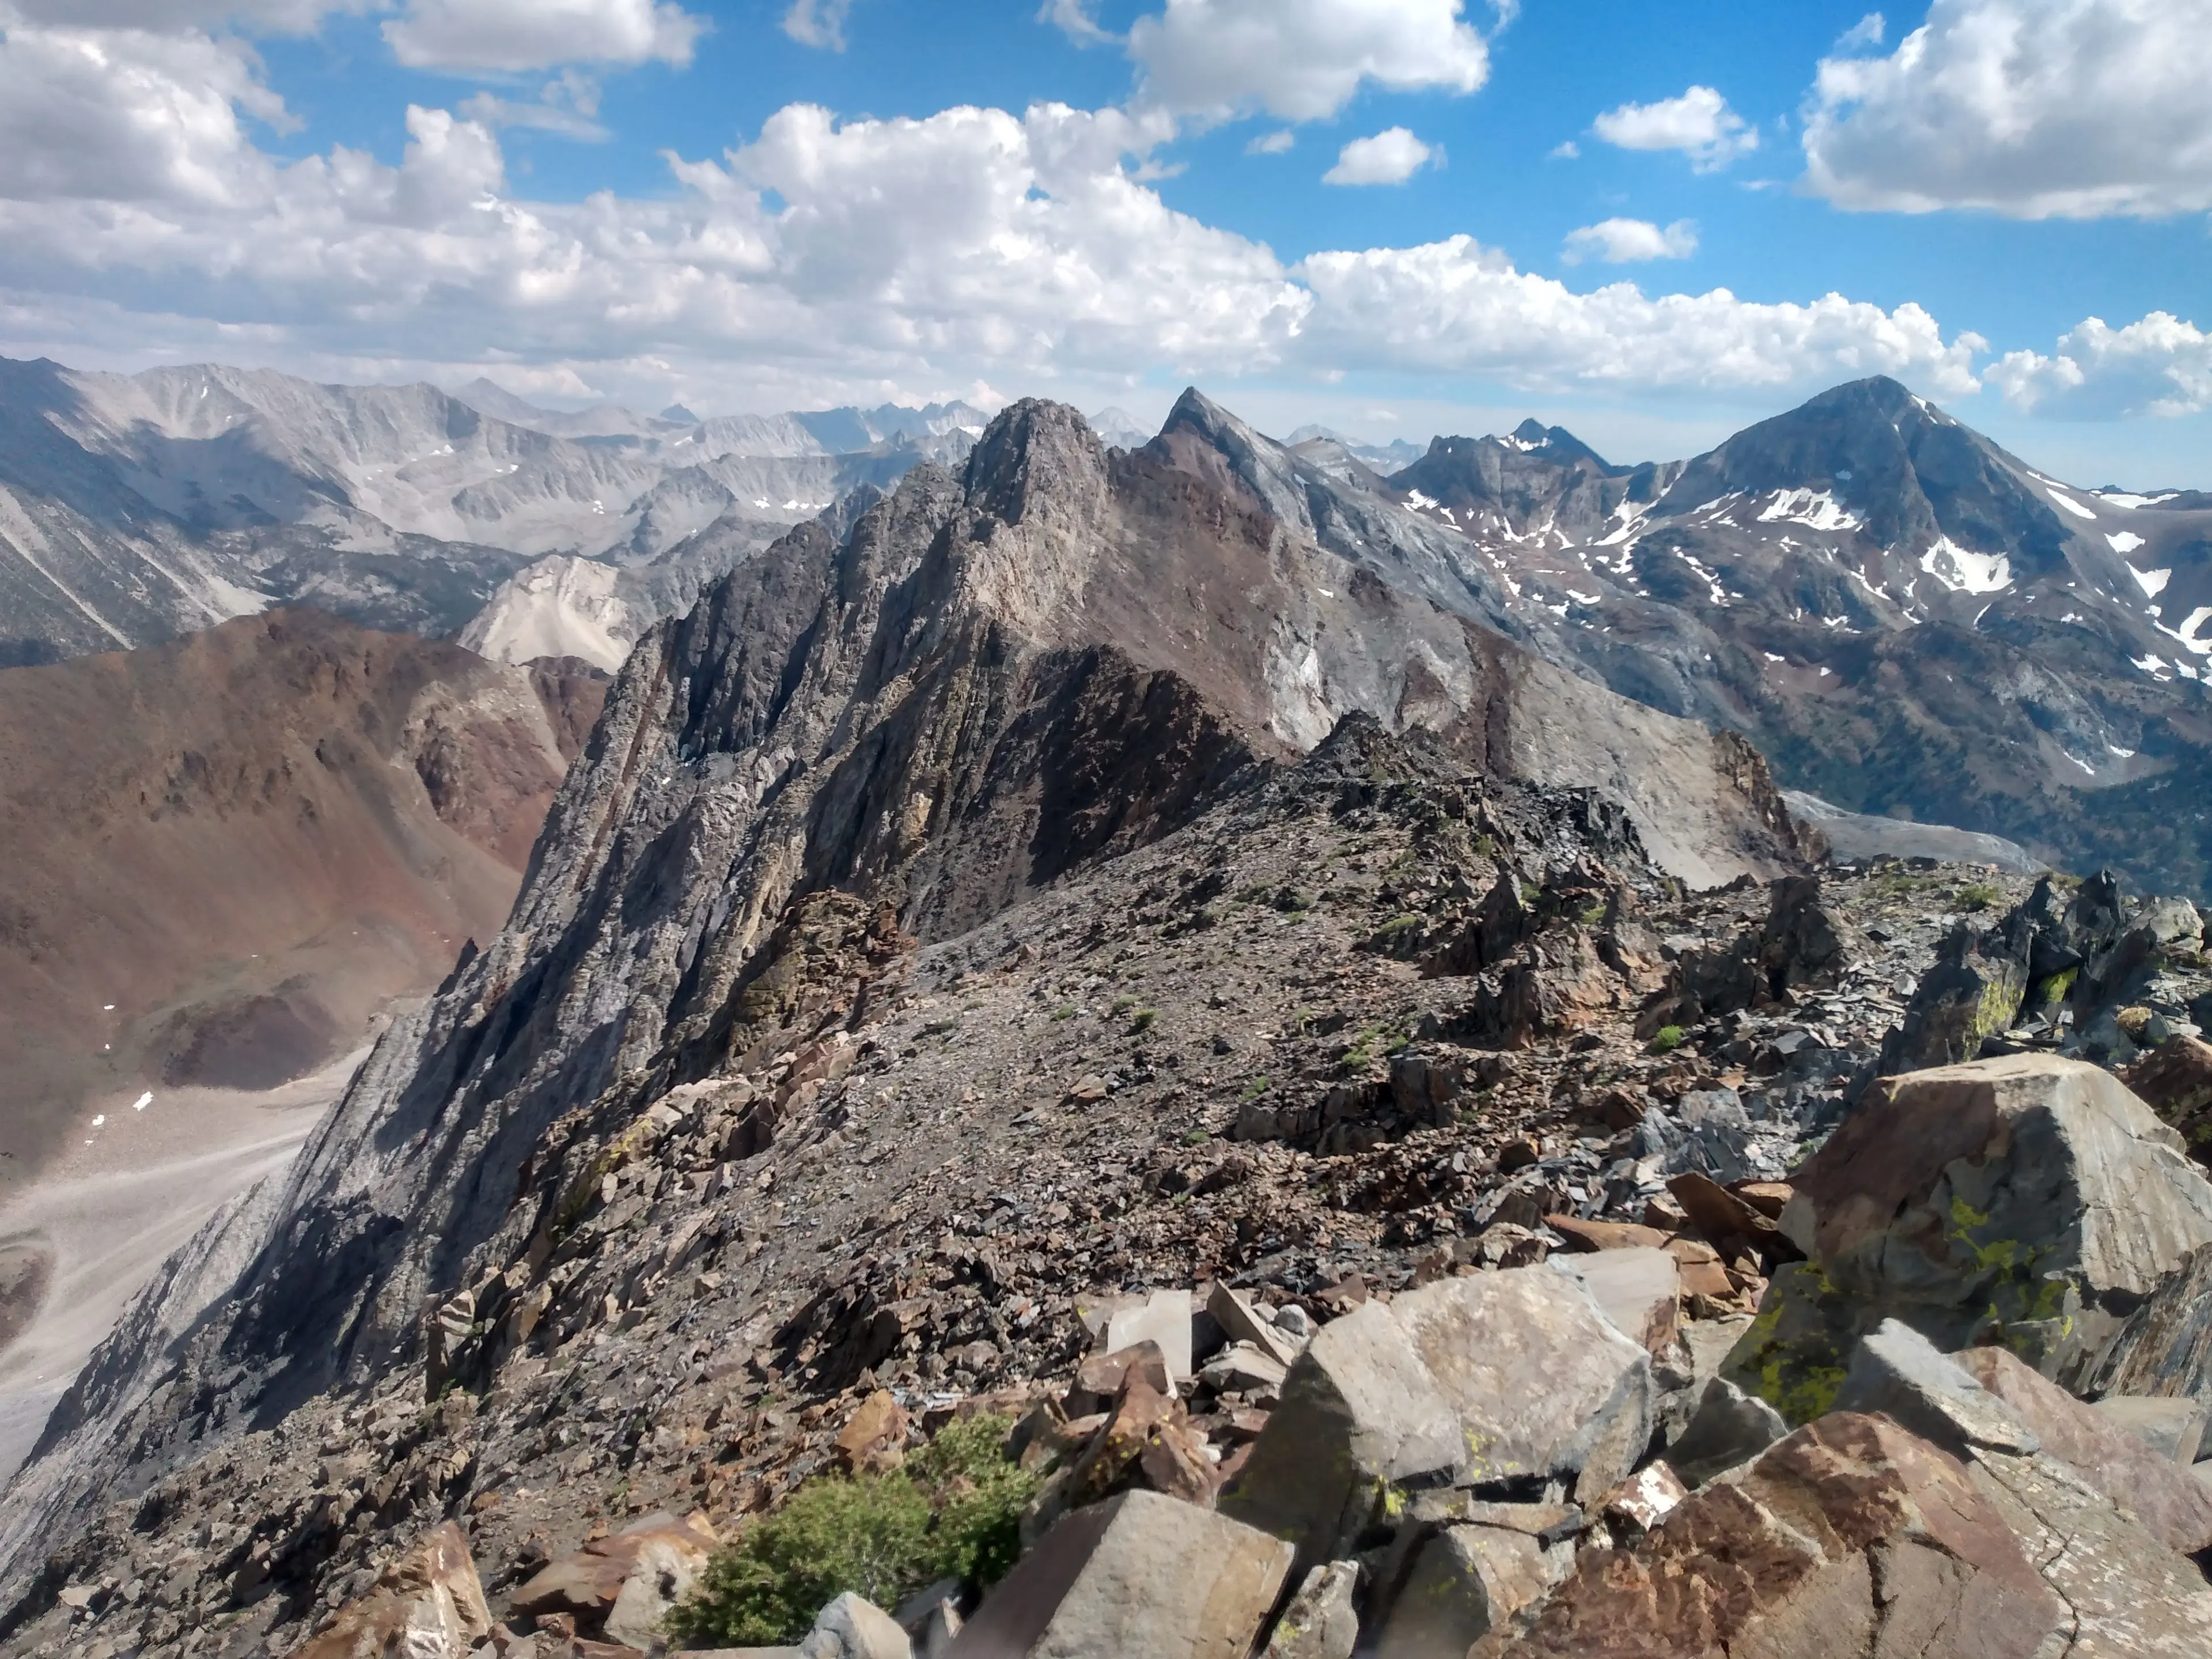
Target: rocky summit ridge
1097	942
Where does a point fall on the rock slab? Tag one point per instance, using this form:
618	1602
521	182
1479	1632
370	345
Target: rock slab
1137	1574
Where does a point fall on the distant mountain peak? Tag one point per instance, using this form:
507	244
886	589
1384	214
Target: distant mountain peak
678	412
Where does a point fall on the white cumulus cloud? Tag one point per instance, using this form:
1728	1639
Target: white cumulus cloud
1391	157
2036	108
2158	365
1301	60
824	260
1456	307
1699	124
1623	241
528	35
129	115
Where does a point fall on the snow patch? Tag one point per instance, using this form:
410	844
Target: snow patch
1417	500
144	1100
1964	572
2153	582
2187	632
2124	754
2069	503
1815	508
2126	542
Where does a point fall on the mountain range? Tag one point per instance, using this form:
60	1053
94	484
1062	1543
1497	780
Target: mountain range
134	508
1908	621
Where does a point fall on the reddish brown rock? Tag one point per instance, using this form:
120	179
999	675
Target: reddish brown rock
2175	1081
1582	1235
1769	1198
1718	1213
2165	1497
1849	1537
874	1441
590	1583
428	1605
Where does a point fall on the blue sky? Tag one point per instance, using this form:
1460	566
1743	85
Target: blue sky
436	188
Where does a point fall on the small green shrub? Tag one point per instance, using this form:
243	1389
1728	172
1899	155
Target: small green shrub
1979	896
952	1511
1667	1039
1065	1010
1255	1088
1142	1019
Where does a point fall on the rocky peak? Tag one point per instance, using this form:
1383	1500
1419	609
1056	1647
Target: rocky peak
1907	472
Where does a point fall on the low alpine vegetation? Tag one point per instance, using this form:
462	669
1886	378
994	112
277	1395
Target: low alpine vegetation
952	1511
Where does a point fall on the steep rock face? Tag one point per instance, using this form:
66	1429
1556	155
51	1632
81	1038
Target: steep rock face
243	843
993	678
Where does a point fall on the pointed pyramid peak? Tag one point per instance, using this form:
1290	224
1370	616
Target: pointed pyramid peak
1533	431
1031	446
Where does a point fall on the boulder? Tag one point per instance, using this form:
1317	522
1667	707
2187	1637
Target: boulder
1973	992
1645	1499
1466	1582
2160	1492
1896	1371
2165	1347
853	1627
1639	1288
1497	1379
1163	1317
873	1440
1138	1574
1727	1429
2029	1200
1542	1384
652	1564
1359	1415
2174	1429
427	1605
1848	1537
2127	1594
1322	1622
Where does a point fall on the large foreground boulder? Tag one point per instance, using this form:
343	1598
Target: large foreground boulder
1137	1574
1849	1537
427	1605
2028	1201
1492	1382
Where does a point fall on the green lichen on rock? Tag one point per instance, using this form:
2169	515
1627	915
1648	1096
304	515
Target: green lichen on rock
1794	1354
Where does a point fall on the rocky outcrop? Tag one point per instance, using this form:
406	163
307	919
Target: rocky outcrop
2026	1200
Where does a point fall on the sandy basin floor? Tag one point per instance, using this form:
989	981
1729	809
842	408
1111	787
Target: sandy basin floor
130	1188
